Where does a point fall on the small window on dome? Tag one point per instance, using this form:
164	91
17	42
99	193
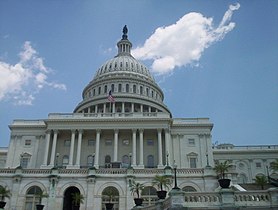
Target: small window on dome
141	90
112	87
94	92
121	64
131	65
105	89
134	88
126	64
120	88
115	65
127	88
147	91
152	93
99	90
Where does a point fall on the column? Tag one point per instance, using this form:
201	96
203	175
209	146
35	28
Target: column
150	109
89	109
141	108
104	108
141	138
134	147
80	132
71	147
46	147
113	107
96	108
132	107
96	165
123	107
116	132
159	149
168	147
53	152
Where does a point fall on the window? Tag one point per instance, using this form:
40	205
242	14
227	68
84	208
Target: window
91	142
94	92
134	88
141	90
31	197
28	142
258	165
112	88
65	160
193	162
99	90
150	161
108	142
149	195
147	91
67	143
127	88
125	161
191	142
150	142
105	89
120	88
90	160
24	162
107	161
189	189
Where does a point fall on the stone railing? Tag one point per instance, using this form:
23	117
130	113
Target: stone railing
224	199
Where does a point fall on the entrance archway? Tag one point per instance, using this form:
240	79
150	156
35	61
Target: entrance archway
68	201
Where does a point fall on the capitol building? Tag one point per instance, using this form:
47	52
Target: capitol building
121	131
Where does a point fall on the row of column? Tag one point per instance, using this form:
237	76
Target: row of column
113	107
97	147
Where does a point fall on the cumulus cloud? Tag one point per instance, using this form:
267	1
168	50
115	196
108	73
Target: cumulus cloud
22	81
183	42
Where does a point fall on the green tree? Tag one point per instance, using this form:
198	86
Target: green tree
261	181
77	198
4	193
222	168
162	182
136	188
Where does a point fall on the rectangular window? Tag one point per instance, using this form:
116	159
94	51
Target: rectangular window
191	142
28	142
258	165
108	142
67	143
150	142
91	142
99	90
193	162
24	162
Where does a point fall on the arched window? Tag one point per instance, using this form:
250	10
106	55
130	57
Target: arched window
125	161
149	195
127	88
90	160
110	195
107	161
141	90
150	161
112	88
120	88
105	88
189	189
134	88
31	198
65	160
147	91
99	90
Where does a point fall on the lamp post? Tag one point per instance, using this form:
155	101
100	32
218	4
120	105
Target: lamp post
175	175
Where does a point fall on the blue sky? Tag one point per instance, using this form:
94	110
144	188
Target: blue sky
215	59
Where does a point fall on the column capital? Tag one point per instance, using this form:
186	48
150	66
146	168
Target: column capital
159	130
141	130
116	131
80	131
48	131
56	131
98	131
73	130
134	130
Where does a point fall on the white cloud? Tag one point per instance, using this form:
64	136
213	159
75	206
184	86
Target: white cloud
183	42
20	82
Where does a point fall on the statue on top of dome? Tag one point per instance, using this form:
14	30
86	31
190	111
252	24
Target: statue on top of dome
125	30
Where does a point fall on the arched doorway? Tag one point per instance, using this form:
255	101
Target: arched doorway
110	195
68	201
